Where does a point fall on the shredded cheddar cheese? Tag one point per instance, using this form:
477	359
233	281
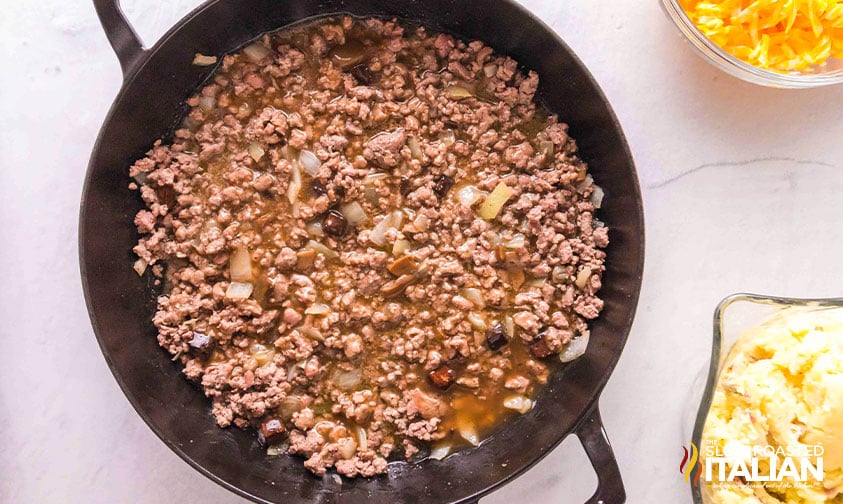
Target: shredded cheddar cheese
779	35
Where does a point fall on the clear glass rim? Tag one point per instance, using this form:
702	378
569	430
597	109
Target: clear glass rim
717	56
717	346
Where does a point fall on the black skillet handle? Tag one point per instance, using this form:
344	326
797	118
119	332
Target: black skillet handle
596	444
593	437
120	33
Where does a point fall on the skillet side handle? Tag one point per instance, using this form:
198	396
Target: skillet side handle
125	42
593	437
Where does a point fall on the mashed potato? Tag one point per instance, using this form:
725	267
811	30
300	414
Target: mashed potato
781	389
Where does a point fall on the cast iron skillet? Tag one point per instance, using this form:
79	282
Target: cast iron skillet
158	80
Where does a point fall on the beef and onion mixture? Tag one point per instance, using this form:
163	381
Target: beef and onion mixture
372	243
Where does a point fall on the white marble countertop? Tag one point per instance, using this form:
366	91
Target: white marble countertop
742	191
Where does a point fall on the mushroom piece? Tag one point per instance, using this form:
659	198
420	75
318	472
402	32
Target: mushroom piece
496	337
405	265
271	432
540	350
442	184
396	286
335	223
442	377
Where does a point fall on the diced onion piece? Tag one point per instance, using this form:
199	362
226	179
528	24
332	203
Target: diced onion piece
597	223
469	433
558	274
518	403
279	449
321	249
323	427
200	59
415	148
371	195
348	379
378	233
312	333
547	147
256	52
141	178
295	184
597	196
448	137
140	267
256	151
362	439
240	265
374	177
400	246
347	448
309	162
199	340
189	123
318	309
424	267
354	213
458	92
239	290
495	201
314	229
477	321
587	181
475	296
516	275
575	348
490	70
440	451
494	241
469	195
397	219
461	300
261	353
421	222
263	358
207	103
536	282
289	405
509	326
582	277
516	242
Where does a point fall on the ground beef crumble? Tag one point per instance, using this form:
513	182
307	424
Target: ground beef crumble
317	228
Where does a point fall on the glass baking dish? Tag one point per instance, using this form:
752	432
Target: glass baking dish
733	316
711	52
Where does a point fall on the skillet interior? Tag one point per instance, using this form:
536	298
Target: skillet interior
121	306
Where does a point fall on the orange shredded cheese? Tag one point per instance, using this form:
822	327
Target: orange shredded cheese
779	35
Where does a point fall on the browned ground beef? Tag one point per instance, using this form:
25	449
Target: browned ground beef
327	278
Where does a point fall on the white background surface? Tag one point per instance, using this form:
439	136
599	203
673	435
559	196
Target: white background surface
742	191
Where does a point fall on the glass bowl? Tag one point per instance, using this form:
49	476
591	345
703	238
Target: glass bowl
712	53
733	316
